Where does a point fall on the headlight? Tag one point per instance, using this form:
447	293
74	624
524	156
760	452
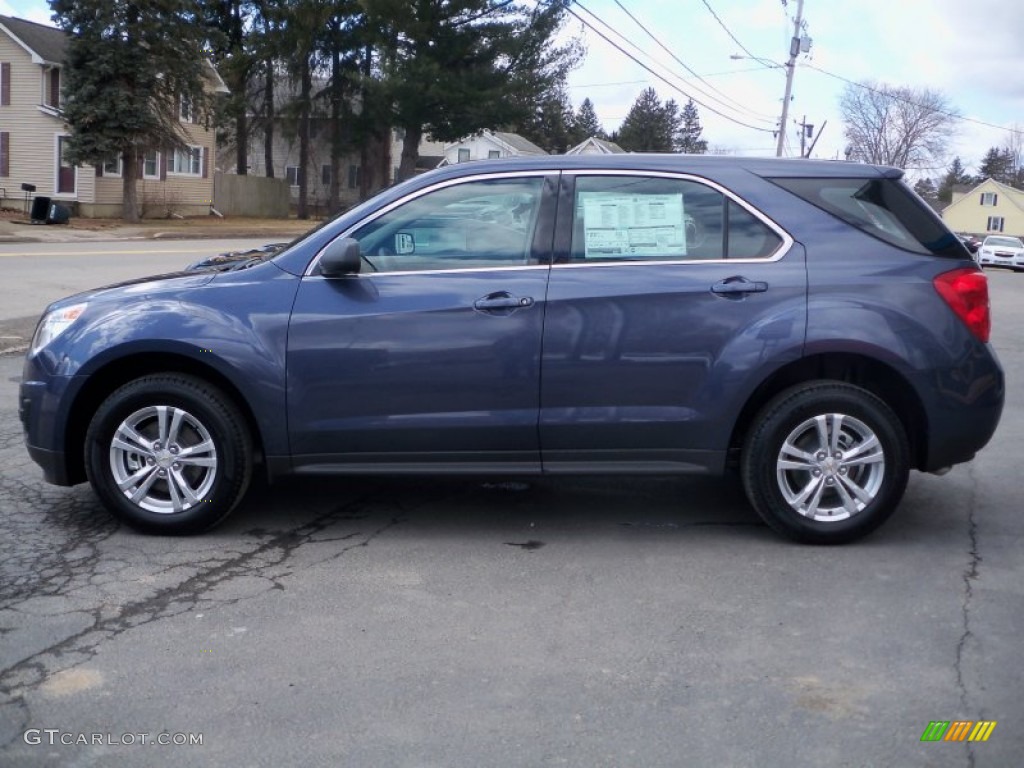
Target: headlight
54	324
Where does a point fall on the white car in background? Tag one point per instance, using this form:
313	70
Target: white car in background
1001	251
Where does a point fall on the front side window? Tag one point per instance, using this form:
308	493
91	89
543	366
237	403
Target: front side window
479	224
291	174
636	218
188	162
463	155
989	198
112	166
995	224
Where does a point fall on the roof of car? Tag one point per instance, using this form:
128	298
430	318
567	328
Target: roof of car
762	166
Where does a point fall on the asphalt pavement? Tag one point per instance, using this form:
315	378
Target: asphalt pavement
496	622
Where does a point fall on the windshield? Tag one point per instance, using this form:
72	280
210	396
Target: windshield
1004	242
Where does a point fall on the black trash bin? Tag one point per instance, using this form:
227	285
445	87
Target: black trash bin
58	214
40	209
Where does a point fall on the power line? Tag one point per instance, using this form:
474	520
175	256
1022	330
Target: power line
953	115
674	75
727	30
658	75
686	67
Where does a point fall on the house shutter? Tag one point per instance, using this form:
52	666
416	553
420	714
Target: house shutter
163	166
5	84
995	200
981	199
206	162
140	165
99	170
5	153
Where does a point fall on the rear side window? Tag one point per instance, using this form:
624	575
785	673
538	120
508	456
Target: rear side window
884	208
638	218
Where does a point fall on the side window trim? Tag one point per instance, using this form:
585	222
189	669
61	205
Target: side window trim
567	197
547	195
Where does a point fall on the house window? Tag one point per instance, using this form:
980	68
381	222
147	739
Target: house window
353	176
325	175
188	162
493	154
995	224
463	155
989	198
112	166
187	109
151	165
5	84
51	97
291	173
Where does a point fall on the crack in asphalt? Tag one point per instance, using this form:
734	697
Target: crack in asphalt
268	561
970	573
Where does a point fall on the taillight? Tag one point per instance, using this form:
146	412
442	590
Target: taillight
966	292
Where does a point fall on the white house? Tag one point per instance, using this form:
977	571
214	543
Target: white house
489	145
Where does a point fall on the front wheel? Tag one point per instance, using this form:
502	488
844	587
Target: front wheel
825	462
168	453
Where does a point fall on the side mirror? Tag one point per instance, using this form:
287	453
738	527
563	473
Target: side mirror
341	258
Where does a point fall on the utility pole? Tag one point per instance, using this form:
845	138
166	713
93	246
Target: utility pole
794	51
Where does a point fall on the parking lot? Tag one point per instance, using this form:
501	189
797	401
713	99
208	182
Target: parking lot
498	622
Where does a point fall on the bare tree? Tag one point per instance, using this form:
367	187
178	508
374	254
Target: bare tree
896	125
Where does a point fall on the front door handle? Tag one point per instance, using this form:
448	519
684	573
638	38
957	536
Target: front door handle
502	300
737	287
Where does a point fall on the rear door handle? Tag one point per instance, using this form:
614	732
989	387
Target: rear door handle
737	287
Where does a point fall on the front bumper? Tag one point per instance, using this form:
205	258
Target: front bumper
43	410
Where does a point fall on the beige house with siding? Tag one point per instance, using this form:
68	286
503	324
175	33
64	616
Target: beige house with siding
990	208
33	135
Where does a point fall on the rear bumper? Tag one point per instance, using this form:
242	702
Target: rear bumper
965	411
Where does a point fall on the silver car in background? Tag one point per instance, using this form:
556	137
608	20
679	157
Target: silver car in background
1002	251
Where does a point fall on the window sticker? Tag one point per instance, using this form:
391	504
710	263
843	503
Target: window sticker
617	225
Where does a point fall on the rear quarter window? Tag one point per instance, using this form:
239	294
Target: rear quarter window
884	208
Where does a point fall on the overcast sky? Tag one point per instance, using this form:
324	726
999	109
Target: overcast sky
972	51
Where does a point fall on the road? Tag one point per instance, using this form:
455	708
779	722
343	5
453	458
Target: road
34	274
486	622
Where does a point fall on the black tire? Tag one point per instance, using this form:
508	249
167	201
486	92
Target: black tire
186	486
850	491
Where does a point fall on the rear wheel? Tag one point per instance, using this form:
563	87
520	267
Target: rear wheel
169	453
825	462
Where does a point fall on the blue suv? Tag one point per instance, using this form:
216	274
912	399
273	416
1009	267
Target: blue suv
810	326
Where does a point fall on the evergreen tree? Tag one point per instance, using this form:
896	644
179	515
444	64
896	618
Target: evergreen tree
650	125
587	124
955	175
453	67
552	124
998	164
926	189
688	138
128	67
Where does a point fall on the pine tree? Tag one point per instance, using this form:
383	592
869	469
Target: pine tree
587	124
998	164
650	126
552	124
453	67
926	189
128	67
688	138
955	175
